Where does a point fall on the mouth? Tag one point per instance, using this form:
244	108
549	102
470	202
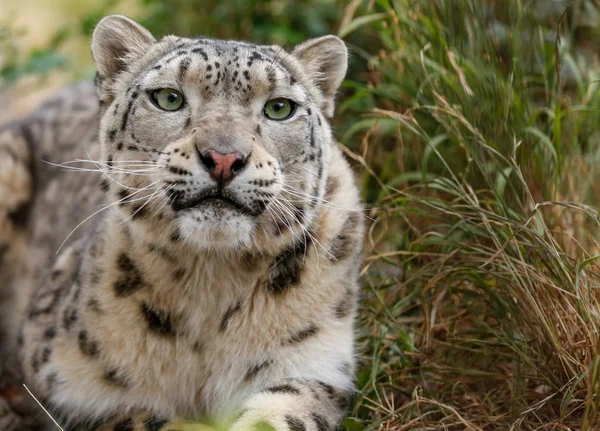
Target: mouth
208	198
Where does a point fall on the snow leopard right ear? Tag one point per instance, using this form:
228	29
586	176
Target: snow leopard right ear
116	41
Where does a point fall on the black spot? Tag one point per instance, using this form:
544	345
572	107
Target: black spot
35	363
104	185
119	146
130	278
49	333
112	134
183	67
228	314
46	354
157	67
176	236
158	322
320	422
344	306
178	274
247	75
287	267
255	369
258	131
198	346
308	111
94	305
187	122
283	389
294	423
87	347
201	52
51	379
345	400
155	423
307	332
125	425
343	244
69	318
20	215
333	185
113	377
45	303
138	211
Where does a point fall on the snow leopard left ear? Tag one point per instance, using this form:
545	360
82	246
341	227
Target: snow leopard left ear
117	40
325	60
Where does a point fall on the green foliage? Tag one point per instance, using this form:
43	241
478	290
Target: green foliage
15	65
476	118
284	22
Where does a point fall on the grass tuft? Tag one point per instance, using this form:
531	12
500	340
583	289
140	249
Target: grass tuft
482	298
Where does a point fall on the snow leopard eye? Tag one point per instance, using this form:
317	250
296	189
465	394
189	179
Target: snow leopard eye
279	109
167	99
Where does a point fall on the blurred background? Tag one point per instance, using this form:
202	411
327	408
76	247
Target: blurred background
474	129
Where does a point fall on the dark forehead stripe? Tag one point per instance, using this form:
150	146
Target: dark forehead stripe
230	51
184	66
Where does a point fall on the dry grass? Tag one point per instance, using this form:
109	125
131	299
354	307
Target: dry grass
482	292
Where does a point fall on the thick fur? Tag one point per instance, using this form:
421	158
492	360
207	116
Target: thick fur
164	310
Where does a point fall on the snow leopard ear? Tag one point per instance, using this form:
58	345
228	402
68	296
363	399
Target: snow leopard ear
325	60
117	40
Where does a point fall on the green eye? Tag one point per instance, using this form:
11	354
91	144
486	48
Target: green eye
167	99
279	109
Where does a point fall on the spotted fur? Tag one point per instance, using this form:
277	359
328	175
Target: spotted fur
186	300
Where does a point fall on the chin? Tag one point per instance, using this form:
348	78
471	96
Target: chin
216	229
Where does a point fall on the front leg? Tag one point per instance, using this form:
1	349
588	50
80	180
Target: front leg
294	405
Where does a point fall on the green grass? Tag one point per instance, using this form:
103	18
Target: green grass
479	139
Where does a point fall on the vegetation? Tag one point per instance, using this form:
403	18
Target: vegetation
475	128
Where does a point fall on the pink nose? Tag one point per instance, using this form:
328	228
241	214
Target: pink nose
222	168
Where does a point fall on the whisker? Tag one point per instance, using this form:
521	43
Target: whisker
43	408
99	211
279	202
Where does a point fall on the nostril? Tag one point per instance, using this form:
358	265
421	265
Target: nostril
238	165
207	159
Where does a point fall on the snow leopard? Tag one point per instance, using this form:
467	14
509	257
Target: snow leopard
181	240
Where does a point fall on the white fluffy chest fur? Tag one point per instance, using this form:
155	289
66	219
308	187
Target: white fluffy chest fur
196	336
